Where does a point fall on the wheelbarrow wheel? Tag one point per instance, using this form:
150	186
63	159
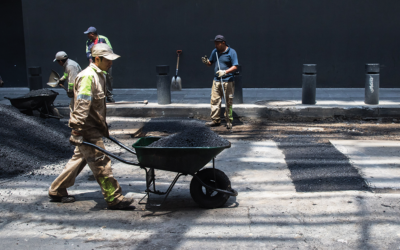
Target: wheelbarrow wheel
207	198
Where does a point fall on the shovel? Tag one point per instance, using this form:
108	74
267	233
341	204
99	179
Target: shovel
54	76
176	83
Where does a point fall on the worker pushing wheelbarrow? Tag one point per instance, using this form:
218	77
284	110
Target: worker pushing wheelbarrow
209	188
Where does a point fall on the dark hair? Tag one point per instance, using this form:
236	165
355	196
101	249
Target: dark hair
63	60
94	58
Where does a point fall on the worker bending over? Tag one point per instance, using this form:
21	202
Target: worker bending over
71	70
88	123
228	62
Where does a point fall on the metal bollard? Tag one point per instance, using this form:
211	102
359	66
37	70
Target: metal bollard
372	83
163	85
35	79
238	94
309	83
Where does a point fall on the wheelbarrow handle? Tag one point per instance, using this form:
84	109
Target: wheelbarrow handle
110	154
121	145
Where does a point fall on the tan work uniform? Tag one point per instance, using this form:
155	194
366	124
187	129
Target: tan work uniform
89	119
71	70
216	94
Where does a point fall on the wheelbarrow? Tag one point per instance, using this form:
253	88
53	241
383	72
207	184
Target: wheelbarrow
209	187
42	103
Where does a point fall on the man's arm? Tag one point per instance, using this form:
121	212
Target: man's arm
231	69
209	61
83	102
107	41
72	73
235	62
88	52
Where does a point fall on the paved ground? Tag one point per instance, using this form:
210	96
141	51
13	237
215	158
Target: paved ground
268	213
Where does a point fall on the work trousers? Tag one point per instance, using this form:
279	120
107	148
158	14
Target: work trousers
99	163
216	98
109	83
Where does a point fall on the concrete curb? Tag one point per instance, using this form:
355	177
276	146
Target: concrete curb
247	110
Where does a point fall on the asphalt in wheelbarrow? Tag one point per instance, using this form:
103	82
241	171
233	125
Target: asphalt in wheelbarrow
39	92
186	160
35	99
195	136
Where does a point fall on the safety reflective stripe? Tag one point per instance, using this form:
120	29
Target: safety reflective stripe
230	111
85	87
105	72
84	97
65	74
70	86
106	39
108	188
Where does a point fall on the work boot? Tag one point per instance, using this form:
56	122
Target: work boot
229	125
63	199
125	204
110	99
212	124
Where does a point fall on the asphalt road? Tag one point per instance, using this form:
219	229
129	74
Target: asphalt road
272	211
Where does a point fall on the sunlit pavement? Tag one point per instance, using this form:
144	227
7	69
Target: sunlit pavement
268	213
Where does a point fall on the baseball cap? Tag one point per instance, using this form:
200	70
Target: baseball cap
90	30
103	50
61	55
219	38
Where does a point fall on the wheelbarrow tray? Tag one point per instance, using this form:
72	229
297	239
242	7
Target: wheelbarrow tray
186	160
34	102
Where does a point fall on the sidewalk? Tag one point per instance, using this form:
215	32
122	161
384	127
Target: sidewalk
277	102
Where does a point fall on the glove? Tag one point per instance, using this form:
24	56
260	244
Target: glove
221	73
58	82
76	138
205	60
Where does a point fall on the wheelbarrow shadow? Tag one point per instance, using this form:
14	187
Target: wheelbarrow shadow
180	203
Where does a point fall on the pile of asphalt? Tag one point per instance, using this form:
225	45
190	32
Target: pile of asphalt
195	136
317	166
28	143
171	125
40	92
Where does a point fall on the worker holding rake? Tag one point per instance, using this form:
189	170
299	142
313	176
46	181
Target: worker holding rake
226	62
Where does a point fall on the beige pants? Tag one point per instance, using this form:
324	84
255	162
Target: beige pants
216	98
99	163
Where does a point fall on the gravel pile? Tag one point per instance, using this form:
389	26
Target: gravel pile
40	92
29	142
192	137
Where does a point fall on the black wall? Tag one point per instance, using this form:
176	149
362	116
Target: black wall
12	45
273	38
